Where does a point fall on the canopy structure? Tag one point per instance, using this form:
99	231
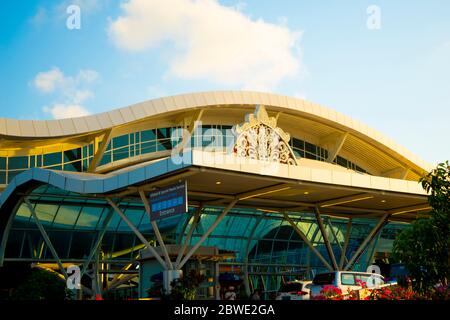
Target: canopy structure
289	187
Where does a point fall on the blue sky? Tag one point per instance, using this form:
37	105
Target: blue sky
396	79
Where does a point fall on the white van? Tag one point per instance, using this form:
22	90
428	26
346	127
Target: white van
346	281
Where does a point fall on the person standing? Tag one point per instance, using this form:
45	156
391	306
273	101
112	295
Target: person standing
230	294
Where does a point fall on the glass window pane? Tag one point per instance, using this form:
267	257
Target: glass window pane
72	155
299	144
23	212
120	141
2	163
163	133
310	156
341	161
163	145
2	177
66	217
51	159
18	163
148	147
148	135
134	216
39	161
310	148
119	154
81	244
89	217
32	161
106	158
74	166
348	279
46	212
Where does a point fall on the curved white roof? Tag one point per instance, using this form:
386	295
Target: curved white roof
32	129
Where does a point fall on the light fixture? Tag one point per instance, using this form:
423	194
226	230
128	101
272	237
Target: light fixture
218	182
345	201
383	201
306	192
263	193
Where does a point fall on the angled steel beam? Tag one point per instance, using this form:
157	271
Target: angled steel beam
98	241
372	249
325	238
247	249
207	233
189	235
370	237
136	232
46	238
156	229
190	128
100	151
337	240
333	143
346	241
308	243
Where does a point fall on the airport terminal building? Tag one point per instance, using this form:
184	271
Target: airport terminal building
274	188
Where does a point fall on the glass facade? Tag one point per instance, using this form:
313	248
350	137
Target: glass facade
208	137
76	160
271	247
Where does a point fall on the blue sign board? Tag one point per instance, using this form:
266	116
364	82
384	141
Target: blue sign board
168	201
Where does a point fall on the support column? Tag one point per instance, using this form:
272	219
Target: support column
346	241
137	233
207	233
98	241
308	243
337	241
156	229
46	238
247	249
189	235
369	238
325	238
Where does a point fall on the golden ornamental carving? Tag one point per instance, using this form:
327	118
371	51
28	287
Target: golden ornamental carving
259	138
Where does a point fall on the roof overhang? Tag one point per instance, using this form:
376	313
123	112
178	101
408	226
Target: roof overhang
256	184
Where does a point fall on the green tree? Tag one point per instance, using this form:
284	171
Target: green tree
425	247
41	285
185	288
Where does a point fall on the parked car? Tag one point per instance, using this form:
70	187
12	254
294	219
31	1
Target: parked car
346	281
294	290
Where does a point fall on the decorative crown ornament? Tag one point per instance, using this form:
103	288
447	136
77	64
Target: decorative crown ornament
260	138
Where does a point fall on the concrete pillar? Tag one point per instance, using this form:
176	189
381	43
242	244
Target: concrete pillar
168	277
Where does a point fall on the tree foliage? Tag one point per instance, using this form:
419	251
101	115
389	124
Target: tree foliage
41	285
185	288
425	247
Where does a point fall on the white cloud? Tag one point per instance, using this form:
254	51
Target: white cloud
71	92
47	81
210	41
62	111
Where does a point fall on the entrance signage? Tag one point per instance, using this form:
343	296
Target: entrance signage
168	201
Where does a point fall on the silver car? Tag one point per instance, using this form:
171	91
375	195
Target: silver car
294	290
